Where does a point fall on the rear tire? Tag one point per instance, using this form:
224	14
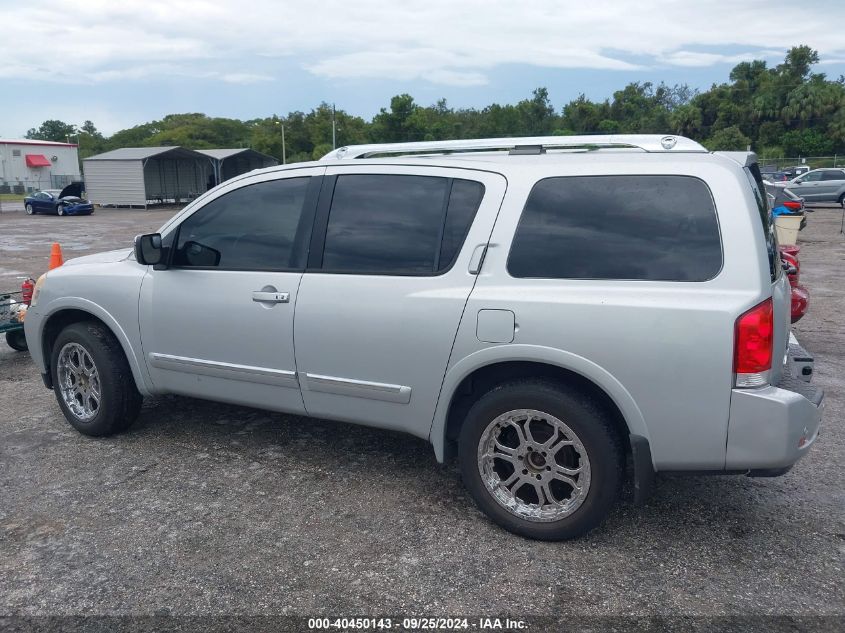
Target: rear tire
574	487
29	209
17	340
842	201
92	380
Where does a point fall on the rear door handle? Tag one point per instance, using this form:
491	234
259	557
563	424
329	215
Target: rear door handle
270	297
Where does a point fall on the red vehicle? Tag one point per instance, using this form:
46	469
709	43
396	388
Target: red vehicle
800	295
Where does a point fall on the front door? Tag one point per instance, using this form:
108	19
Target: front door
218	322
807	186
390	271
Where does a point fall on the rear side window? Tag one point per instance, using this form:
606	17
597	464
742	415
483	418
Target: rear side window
256	227
398	225
833	175
658	228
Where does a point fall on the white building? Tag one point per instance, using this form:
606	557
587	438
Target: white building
27	165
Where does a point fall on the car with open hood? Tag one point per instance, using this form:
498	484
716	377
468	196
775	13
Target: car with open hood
67	201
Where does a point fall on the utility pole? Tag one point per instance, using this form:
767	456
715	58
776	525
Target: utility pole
284	153
334	129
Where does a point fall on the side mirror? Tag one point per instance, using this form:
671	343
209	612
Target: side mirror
148	249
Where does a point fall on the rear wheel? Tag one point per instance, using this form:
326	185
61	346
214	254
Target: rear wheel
842	201
92	380
540	460
17	340
29	209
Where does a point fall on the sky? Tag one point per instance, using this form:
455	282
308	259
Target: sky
124	62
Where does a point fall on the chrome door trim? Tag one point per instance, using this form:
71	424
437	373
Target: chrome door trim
229	371
400	394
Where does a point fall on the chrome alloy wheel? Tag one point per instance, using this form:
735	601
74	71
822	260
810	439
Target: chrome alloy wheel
534	465
79	381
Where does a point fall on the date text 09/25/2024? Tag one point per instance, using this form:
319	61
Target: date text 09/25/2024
417	624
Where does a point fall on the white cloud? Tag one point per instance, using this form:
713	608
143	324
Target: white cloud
448	42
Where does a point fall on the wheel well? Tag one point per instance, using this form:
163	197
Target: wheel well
59	321
484	379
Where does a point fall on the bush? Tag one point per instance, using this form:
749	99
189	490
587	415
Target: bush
727	139
806	143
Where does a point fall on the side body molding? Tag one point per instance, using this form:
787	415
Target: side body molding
531	353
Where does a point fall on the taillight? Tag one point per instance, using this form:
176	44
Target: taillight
753	340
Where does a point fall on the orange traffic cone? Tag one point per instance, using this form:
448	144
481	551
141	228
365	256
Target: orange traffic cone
56	258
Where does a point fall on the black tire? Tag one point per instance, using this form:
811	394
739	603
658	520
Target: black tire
842	200
584	417
17	340
29	209
60	210
120	401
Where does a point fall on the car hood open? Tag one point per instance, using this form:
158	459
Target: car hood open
73	190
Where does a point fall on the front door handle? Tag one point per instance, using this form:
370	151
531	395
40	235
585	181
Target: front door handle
270	297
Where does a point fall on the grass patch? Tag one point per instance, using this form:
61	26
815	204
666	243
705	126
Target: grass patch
12	197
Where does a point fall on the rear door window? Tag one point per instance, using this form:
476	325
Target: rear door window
391	224
833	174
658	228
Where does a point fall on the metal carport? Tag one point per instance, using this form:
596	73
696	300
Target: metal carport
139	176
229	163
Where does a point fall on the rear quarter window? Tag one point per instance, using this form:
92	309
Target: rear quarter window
656	228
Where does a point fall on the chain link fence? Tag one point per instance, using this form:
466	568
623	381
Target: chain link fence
813	162
25	187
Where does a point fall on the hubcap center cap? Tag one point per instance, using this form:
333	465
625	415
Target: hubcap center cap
535	460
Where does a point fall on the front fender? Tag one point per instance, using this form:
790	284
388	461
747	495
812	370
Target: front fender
139	369
531	353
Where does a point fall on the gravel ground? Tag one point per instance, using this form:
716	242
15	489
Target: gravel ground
204	508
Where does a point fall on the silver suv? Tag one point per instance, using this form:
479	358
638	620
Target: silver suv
561	314
819	185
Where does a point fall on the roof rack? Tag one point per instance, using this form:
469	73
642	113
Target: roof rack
521	145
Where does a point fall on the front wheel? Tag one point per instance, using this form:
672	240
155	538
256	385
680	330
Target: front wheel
29	209
60	210
541	460
17	340
92	380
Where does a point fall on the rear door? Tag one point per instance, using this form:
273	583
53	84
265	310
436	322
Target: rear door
832	182
389	272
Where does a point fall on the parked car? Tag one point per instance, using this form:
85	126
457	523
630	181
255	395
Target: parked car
543	316
800	295
67	201
820	185
795	171
783	197
776	176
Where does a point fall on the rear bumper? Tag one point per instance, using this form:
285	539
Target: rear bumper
773	427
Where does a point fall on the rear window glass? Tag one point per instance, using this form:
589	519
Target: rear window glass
658	228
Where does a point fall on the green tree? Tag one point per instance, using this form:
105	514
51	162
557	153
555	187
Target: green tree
807	143
52	130
727	139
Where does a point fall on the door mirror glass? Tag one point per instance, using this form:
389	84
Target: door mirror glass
148	249
200	255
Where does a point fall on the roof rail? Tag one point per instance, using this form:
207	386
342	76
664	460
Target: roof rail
645	142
